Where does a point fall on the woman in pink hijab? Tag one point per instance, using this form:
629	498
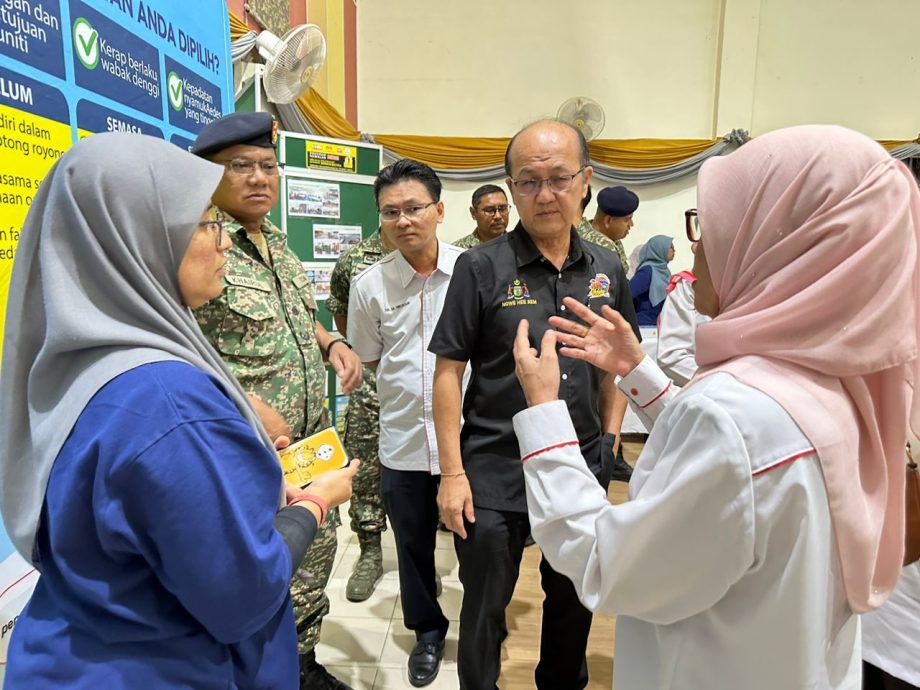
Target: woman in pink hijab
767	508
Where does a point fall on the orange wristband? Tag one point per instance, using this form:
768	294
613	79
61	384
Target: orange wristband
315	500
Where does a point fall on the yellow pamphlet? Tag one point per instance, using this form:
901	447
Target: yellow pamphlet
305	460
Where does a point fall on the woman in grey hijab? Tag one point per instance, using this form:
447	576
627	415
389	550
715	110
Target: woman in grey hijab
133	473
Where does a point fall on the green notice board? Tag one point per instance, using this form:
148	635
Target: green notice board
326	205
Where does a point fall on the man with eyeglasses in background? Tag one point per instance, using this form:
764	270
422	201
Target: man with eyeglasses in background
490	210
393	307
264	327
523	275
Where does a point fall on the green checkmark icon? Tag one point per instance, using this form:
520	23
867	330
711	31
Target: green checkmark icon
86	43
175	90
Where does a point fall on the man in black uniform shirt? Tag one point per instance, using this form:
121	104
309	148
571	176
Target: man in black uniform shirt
524	274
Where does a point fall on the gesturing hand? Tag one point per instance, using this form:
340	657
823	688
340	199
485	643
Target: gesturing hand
538	374
608	343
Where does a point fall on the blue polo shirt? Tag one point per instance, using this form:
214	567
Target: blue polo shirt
161	567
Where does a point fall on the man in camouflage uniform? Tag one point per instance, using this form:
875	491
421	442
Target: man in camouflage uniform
490	210
615	228
612	221
265	328
362	428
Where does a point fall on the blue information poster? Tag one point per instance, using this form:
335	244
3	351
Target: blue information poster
70	69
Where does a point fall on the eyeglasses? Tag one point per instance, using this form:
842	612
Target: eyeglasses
558	184
492	210
247	166
215	224
391	215
692	222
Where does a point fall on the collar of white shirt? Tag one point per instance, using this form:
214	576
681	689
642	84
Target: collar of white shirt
407	273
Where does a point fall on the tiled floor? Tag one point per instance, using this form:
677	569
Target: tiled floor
367	646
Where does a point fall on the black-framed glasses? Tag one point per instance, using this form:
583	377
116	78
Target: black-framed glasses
246	166
558	183
692	222
501	209
391	215
215	224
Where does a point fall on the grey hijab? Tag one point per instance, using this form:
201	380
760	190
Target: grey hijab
94	293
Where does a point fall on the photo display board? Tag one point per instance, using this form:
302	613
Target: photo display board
326	205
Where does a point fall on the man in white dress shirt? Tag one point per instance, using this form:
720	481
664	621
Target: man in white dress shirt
392	311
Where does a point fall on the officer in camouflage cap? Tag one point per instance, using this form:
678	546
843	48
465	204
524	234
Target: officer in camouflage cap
612	221
264	326
362	428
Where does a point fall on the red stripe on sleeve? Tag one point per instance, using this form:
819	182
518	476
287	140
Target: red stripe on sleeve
547	449
784	461
666	389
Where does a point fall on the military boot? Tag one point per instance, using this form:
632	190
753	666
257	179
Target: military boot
368	569
314	676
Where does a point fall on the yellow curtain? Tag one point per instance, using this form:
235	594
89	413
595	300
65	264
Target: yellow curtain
638	154
467	153
324	119
457	153
891	144
237	27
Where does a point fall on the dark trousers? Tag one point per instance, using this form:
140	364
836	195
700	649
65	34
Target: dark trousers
410	501
875	678
490	559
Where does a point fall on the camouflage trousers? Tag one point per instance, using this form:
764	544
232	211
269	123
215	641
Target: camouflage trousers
362	438
308	586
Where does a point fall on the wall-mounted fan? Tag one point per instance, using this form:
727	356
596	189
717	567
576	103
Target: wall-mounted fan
584	114
292	62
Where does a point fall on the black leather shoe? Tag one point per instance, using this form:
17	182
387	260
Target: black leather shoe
425	662
314	676
621	469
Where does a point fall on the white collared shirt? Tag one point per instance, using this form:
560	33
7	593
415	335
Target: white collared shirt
392	312
677	334
722	566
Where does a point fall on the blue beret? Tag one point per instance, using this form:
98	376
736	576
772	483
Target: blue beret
250	129
617	201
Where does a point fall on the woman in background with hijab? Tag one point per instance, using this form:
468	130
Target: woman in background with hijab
767	507
135	476
649	284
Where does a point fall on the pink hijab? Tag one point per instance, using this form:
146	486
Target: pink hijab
811	235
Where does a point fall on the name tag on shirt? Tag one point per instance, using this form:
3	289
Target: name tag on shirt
246	281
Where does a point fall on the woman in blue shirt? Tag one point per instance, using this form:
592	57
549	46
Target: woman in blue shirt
135	475
649	284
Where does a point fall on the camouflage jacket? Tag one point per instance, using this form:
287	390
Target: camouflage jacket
264	327
467	241
586	230
363	255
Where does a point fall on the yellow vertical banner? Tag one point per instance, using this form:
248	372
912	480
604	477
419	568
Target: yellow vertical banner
34	133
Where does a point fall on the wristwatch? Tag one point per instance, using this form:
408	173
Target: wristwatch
337	340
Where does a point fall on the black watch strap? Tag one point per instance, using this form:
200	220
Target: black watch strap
337	340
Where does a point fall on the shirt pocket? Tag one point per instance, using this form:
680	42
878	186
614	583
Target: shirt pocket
250	328
303	288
